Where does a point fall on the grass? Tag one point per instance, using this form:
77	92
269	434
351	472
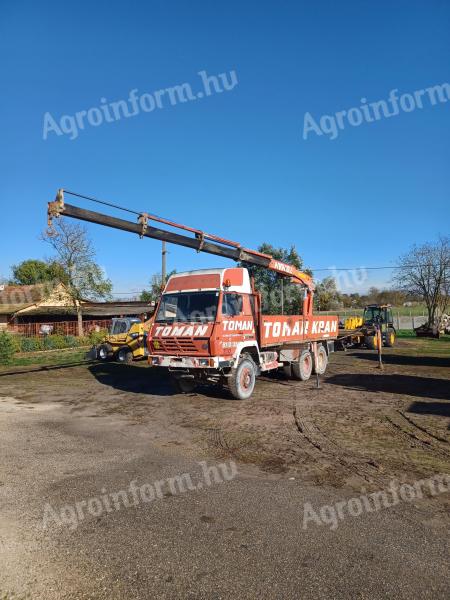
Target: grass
403	311
75	355
415	345
406	333
47	358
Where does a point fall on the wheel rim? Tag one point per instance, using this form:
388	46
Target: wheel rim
246	378
307	362
102	353
321	361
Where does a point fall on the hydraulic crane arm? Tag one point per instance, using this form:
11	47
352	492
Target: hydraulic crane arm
202	242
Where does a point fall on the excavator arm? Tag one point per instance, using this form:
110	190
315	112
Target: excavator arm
200	241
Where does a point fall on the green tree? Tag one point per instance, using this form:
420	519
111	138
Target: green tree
327	296
32	271
351	300
277	290
76	255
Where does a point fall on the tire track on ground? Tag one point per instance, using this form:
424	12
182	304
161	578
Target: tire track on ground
419	436
365	468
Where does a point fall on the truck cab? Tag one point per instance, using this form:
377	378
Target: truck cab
378	315
204	319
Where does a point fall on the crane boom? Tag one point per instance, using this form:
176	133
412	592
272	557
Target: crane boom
201	242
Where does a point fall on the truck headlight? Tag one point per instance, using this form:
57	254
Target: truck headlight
204	362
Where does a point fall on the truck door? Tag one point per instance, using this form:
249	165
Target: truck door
237	321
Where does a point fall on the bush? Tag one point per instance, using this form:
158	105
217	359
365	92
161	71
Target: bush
47	343
54	342
70	341
96	337
31	344
7	348
84	340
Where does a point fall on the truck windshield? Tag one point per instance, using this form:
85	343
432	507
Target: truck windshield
188	306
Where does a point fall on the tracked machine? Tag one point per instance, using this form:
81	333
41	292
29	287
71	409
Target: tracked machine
209	325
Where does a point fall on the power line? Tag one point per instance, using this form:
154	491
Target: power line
354	268
373	268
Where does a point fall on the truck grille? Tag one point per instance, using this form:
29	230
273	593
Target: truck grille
176	346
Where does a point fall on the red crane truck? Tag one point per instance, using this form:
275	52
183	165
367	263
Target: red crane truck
209	324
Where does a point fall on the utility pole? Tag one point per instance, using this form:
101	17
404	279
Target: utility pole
163	263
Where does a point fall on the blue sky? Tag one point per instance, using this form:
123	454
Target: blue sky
233	163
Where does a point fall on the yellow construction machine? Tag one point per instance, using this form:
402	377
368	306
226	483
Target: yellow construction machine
126	340
362	330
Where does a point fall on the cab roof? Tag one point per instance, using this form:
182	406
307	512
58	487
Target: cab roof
234	279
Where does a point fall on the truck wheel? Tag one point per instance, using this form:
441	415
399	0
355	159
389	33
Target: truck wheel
125	355
105	352
390	338
302	368
242	379
322	360
370	341
183	384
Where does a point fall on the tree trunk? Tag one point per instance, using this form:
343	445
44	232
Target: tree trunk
80	320
429	311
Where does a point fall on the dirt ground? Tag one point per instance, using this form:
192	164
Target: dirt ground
362	426
68	429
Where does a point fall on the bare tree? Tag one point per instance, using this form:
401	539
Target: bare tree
156	287
425	271
76	255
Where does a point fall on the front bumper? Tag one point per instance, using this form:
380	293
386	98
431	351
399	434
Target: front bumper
188	362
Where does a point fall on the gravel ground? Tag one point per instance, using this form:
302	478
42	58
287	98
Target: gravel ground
86	431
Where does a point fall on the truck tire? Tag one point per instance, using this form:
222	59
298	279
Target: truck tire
322	360
302	368
370	341
390	338
105	352
242	379
184	384
124	355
